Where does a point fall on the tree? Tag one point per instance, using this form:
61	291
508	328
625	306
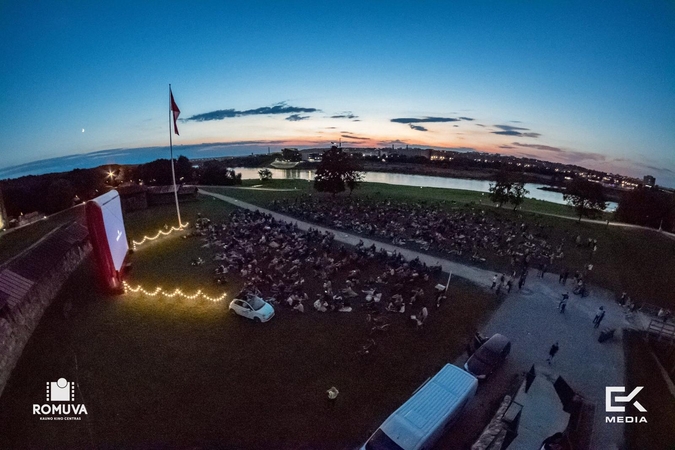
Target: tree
265	174
291	154
587	198
59	196
499	191
649	207
336	170
216	174
353	179
184	170
517	194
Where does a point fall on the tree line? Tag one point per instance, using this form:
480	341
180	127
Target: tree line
55	192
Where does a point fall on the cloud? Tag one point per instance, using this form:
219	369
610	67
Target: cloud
547	148
480	125
344	115
508	130
466	118
350	136
517	134
654	168
506	146
417	127
424	119
296	117
510	127
279	108
564	156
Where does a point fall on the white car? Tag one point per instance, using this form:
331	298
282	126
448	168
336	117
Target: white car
254	308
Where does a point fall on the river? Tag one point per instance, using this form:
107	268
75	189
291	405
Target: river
415	180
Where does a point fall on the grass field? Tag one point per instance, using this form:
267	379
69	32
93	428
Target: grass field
642	370
410	193
175	373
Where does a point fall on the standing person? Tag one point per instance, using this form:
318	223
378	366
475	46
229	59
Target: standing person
551	353
494	282
521	281
563	303
599	316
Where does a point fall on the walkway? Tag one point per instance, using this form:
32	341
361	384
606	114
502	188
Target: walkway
529	317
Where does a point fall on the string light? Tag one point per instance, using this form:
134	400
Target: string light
176	292
159	233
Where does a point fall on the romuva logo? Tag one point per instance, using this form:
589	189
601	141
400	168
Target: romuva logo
60	391
610	398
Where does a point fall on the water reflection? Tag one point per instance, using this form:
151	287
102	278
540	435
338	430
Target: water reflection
415	180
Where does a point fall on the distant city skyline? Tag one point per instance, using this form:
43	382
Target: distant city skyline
570	82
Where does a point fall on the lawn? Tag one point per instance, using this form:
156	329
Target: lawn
642	370
156	372
407	193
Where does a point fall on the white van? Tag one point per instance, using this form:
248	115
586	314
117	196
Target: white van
422	419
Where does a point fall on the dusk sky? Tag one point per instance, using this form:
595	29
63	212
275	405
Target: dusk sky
589	84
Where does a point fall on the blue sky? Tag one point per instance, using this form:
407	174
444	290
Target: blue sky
592	84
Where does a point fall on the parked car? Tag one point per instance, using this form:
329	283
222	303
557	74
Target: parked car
253	307
488	356
427	414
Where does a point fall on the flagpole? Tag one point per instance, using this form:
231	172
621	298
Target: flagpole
173	171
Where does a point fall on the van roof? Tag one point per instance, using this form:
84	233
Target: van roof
421	413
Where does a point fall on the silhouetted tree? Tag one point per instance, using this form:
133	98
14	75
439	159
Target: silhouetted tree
353	180
216	174
517	193
336	170
59	196
648	207
499	190
265	174
184	170
587	198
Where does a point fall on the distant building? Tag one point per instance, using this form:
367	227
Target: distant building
649	180
133	197
160	195
3	212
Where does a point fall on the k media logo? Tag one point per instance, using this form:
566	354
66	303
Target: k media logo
612	405
63	392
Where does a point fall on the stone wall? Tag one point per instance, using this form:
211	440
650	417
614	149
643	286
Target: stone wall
28	285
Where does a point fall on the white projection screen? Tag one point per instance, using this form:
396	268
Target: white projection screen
111	207
108	236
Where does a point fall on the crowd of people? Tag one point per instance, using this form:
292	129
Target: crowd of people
462	233
300	269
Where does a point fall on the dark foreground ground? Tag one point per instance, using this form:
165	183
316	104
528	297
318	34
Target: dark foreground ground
160	373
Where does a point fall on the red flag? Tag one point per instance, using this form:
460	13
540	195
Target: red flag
176	112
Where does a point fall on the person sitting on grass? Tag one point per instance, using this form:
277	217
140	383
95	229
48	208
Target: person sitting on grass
299	307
